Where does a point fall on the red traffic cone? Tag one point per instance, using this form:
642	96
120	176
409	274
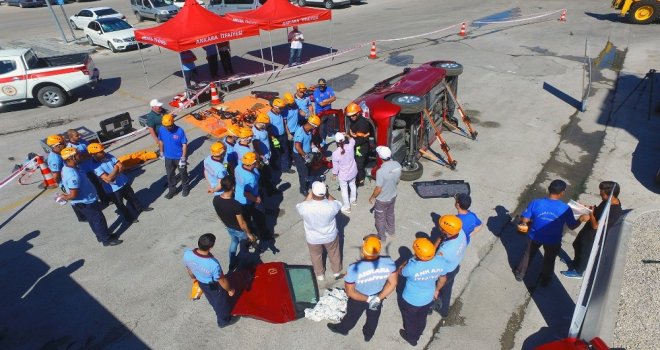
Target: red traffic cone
215	99
562	18
462	32
372	53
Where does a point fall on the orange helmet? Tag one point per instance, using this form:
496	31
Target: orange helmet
314	120
168	120
94	148
371	247
68	153
234	130
288	98
217	149
249	158
424	249
301	86
263	118
245	133
352	109
279	103
450	224
53	140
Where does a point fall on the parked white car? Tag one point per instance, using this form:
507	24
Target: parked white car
179	3
82	18
113	33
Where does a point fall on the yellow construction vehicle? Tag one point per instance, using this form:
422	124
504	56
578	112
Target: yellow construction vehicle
638	11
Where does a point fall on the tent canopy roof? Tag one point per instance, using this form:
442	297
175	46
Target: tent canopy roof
194	26
277	14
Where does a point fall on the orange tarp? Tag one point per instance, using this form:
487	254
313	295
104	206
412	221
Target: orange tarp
218	127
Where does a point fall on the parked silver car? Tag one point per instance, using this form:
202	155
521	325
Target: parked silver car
158	10
329	4
26	3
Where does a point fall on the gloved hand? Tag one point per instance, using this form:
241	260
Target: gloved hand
308	158
183	162
374	302
315	149
357	151
276	142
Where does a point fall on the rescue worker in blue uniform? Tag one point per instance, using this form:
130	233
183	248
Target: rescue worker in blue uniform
422	273
293	118
55	164
229	141
262	147
247	193
244	144
323	98
450	247
82	195
302	151
76	141
368	282
214	168
281	154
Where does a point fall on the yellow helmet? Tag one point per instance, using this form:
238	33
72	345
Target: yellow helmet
249	158
234	130
168	120
94	148
68	153
53	140
263	118
371	247
450	224
279	103
424	249
245	133
314	120
288	98
301	86
353	109
217	149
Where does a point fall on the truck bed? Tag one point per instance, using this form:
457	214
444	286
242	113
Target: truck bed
62	60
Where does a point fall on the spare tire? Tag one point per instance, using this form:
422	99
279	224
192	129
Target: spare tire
453	69
410	104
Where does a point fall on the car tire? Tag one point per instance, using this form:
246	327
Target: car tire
453	69
159	19
301	3
410	104
139	16
412	173
52	96
73	25
643	12
90	41
329	4
112	47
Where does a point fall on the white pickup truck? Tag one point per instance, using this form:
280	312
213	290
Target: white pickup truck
50	80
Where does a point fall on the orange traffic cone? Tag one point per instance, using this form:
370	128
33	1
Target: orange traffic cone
372	53
49	180
562	18
215	99
462	32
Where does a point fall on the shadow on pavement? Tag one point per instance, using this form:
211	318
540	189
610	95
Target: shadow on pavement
571	101
105	87
49	310
281	52
612	17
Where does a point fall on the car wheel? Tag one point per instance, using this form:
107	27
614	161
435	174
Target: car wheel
139	16
410	104
453	69
159	19
643	12
411	171
51	96
90	41
301	2
329	4
112	47
73	24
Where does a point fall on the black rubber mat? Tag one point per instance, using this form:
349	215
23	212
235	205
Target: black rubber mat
441	188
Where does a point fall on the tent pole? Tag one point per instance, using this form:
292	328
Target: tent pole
261	49
272	57
144	69
331	35
183	75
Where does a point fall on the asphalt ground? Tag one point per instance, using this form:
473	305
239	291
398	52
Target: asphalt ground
521	83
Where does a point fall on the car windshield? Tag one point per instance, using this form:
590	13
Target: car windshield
114	26
161	3
105	12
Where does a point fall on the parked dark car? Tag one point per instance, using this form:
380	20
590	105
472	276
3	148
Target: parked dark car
26	3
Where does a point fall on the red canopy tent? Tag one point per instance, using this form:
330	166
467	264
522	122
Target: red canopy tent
194	26
278	14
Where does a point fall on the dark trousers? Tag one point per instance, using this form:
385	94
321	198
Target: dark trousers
444	299
282	156
414	319
213	65
328	126
103	197
256	219
362	163
550	252
131	210
219	300
266	179
303	172
354	310
95	218
225	59
171	166
583	244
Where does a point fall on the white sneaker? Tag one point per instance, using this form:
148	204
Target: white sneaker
320	278
346	210
354	203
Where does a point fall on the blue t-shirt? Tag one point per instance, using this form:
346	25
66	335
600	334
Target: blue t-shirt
292	120
369	276
55	162
470	222
305	138
277	123
453	251
230	154
74	178
303	103
206	268
246	182
105	167
320	96
548	219
262	143
215	171
173	142
240	151
421	278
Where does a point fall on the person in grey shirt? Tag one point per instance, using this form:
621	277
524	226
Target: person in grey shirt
384	195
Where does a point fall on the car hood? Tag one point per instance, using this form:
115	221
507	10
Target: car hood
120	34
167	8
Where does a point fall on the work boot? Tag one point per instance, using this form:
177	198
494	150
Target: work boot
230	322
169	195
146	209
185	192
112	241
334	327
404	335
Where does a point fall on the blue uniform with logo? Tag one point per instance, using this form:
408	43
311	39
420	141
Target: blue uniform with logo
421	278
303	104
548	219
470	222
208	272
320	96
305	138
173	142
293	119
215	171
106	166
246	182
55	162
85	202
451	253
262	142
277	123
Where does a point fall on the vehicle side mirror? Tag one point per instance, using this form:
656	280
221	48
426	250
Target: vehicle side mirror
99	31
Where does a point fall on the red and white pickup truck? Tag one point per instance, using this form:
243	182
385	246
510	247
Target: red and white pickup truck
51	80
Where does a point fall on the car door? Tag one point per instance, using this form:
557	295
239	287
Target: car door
13	80
95	33
239	5
148	10
83	18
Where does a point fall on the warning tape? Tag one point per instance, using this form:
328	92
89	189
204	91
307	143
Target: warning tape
534	16
17	172
420	35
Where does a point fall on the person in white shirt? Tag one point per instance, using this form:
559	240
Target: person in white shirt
319	211
296	39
